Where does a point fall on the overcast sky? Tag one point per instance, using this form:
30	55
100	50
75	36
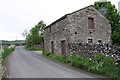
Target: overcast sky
18	15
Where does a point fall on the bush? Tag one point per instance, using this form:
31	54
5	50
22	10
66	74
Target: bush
104	65
78	61
74	61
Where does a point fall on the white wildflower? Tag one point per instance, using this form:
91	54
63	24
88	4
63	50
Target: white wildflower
1	67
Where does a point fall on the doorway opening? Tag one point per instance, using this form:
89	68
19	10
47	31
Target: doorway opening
52	47
63	48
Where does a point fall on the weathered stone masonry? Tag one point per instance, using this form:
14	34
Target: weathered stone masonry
86	25
88	50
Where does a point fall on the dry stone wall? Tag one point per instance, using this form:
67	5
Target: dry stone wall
88	50
38	46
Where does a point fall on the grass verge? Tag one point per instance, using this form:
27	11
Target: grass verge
99	64
7	51
33	49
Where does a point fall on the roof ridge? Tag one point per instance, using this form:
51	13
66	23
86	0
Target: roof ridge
66	15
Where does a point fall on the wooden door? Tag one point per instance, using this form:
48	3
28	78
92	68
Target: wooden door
63	48
52	47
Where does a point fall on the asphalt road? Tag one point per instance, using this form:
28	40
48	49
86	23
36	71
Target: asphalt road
30	64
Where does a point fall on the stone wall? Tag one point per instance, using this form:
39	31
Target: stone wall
59	32
79	27
39	46
88	50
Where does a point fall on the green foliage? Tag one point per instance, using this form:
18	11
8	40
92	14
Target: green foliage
6	52
104	65
98	64
61	59
116	36
58	58
34	49
35	35
46	53
111	13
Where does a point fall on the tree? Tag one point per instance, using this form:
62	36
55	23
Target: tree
111	13
35	35
25	33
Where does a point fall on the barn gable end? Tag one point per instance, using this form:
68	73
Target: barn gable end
86	25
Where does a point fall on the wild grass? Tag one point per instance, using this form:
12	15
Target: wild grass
4	52
7	51
99	64
33	49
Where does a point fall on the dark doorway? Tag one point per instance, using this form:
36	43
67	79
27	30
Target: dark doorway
63	48
52	47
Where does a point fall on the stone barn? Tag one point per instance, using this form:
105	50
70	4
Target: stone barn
86	25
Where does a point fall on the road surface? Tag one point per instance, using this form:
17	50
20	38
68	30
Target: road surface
30	64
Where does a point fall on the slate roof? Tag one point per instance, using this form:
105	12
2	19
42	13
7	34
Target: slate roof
63	17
